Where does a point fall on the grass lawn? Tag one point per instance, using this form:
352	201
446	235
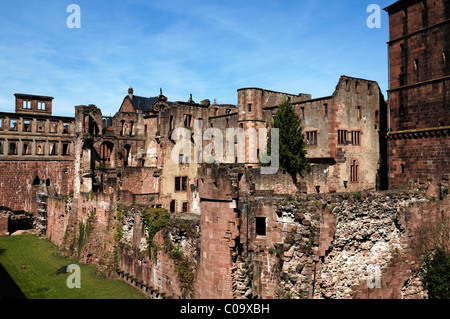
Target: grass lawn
35	266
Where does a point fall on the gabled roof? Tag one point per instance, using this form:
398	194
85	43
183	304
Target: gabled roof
143	103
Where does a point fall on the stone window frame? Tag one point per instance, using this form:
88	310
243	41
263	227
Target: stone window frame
65	151
53	151
16	147
26	105
342	137
180	184
185	207
36	146
311	138
260	226
66	128
27	126
188	118
15	127
356	137
54	127
2	144
40	124
27	147
41	106
354	171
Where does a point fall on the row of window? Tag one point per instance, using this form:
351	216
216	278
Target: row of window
311	137
26	126
325	111
54	148
41	106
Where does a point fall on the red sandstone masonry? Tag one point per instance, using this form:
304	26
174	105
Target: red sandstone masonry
16	181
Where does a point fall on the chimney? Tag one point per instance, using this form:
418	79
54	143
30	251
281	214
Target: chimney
130	93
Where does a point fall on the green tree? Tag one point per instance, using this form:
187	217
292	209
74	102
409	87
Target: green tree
437	275
292	145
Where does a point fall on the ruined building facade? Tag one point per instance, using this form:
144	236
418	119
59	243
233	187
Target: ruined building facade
235	232
419	92
36	155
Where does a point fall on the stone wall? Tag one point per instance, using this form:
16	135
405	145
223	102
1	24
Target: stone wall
20	180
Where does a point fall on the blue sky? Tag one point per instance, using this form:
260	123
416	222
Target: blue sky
207	48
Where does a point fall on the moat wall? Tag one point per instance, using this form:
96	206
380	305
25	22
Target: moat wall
312	246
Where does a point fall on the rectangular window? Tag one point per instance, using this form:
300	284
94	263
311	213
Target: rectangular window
26	105
53	148
40	126
311	138
342	137
177	184
187	120
185	207
359	112
12	125
184	184
249	108
12	148
27	126
132	128
355	137
40	148
181	184
66	149
1	146
66	128
26	148
260	226
302	111
200	123
354	174
41	106
171	123
325	110
53	127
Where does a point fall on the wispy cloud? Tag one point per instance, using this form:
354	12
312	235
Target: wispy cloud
207	48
